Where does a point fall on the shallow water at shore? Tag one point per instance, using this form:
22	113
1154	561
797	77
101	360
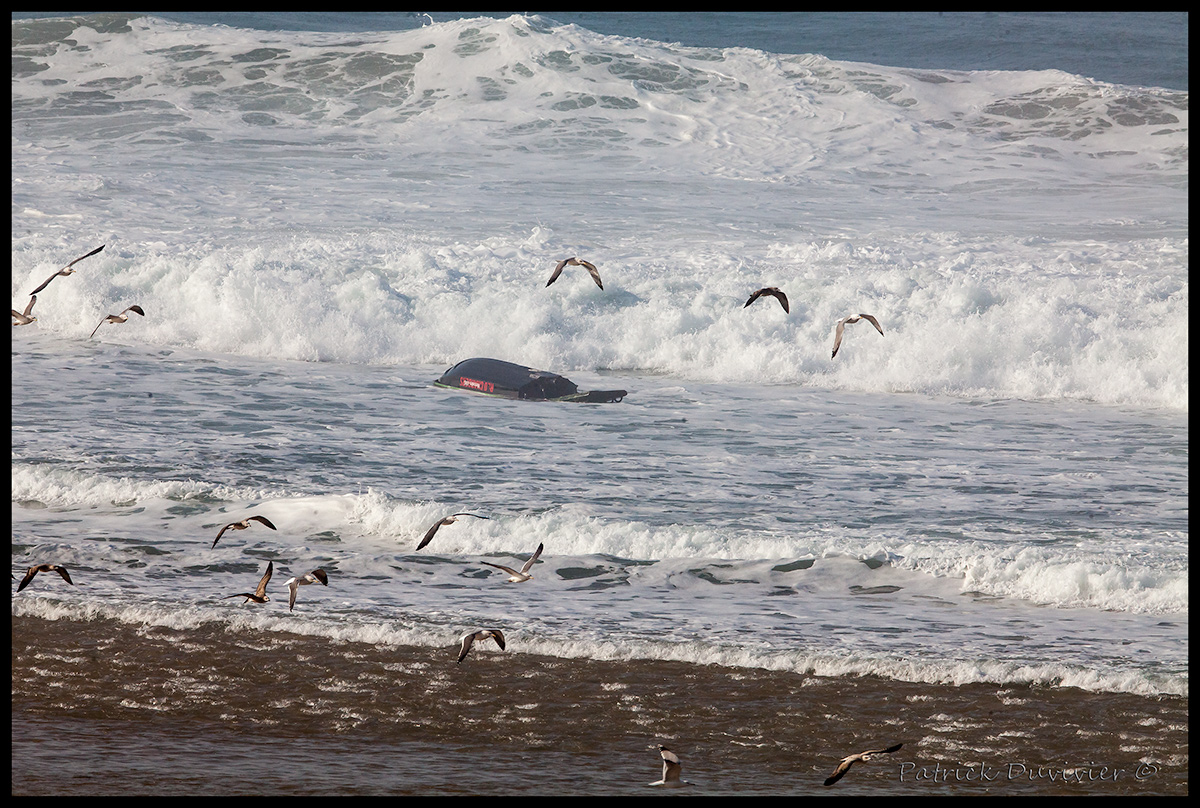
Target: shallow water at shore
117	709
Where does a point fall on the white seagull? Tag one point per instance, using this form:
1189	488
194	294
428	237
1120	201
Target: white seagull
449	520
25	318
117	318
671	769
469	639
575	262
260	592
841	326
295	583
850	760
523	575
66	270
242	525
32	571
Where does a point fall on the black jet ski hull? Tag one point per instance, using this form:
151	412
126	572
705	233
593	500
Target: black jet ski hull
493	377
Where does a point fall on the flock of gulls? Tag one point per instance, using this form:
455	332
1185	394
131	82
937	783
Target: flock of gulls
769	291
773	291
26	317
672	768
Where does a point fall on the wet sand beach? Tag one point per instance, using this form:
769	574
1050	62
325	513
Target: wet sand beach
101	707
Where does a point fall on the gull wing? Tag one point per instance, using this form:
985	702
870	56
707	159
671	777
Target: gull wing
222	533
837	336
532	558
261	589
671	765
557	271
29	573
429	534
595	273
467	641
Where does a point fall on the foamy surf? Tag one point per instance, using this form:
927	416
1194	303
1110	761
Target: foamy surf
962	317
1095	575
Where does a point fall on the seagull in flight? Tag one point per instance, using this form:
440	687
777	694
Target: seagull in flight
671	769
260	592
850	760
774	292
25	318
295	583
449	520
575	262
841	326
117	318
523	575
32	571
469	639
66	270
242	525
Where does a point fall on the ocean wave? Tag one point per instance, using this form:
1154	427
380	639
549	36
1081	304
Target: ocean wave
1105	574
966	317
419	633
554	88
40	486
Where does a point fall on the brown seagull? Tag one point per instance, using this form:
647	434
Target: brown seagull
850	760
117	318
32	571
449	520
242	525
260	592
523	575
469	639
67	269
25	318
841	326
295	583
574	262
774	292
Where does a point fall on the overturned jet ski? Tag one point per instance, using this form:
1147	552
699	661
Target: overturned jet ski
493	377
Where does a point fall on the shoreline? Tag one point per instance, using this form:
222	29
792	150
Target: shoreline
131	709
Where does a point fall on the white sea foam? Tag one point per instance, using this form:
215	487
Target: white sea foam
995	318
42	486
939	671
1103	576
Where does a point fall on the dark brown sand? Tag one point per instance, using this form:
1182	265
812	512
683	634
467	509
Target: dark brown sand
101	707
